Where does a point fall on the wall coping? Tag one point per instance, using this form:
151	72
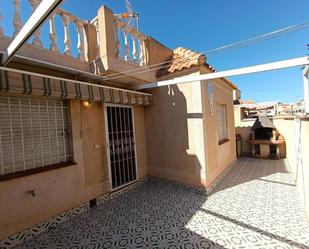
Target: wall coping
304	117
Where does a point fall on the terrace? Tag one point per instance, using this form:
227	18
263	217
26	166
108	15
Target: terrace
89	162
255	206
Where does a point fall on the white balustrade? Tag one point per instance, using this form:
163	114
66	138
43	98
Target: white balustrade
52	34
17	20
134	52
67	40
134	49
142	57
129	42
126	44
118	26
66	17
80	47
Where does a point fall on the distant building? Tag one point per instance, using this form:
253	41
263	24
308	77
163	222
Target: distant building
250	110
291	109
284	109
299	107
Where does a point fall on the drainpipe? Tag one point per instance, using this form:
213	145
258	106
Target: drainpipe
306	89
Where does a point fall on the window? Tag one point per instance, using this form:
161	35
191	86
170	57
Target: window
222	124
34	133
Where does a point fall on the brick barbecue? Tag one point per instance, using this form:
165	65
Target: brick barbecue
265	139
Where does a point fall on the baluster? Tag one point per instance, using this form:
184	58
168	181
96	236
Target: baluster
37	33
1	30
52	34
118	25
80	45
67	42
126	44
17	20
142	50
134	45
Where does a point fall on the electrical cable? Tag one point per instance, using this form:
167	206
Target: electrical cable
239	44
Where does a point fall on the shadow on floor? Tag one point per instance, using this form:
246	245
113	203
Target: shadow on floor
154	215
257	230
244	213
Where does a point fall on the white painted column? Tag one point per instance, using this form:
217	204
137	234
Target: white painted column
80	42
67	40
306	89
52	34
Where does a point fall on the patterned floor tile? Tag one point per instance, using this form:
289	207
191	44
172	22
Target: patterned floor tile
255	206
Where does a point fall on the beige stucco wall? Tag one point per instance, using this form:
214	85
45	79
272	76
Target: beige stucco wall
299	165
219	157
61	189
181	135
243	127
174	128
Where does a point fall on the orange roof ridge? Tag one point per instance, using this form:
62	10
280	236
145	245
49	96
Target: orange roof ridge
184	58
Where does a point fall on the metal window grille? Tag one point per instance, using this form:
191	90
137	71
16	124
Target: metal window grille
34	132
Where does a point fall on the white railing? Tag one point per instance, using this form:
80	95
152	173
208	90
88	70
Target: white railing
66	18
66	34
130	43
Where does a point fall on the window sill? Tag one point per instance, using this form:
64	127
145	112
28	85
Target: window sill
223	141
35	171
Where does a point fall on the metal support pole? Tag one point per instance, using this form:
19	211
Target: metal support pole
306	89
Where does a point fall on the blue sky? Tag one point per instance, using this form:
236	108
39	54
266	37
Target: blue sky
201	25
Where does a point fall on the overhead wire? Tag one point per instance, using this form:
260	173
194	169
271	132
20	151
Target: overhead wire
235	45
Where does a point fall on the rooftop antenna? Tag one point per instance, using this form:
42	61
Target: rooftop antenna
131	16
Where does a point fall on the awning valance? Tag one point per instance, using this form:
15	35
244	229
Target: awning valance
22	82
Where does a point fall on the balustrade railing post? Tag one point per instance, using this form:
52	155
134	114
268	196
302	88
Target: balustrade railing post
142	56
37	40
126	43
67	41
134	45
80	45
17	20
118	26
52	34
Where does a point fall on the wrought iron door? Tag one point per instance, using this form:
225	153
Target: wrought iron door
121	145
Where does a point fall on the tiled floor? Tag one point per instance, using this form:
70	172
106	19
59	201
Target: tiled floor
256	206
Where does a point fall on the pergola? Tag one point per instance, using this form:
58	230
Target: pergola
46	7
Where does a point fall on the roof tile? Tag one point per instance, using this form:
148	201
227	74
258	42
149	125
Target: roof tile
183	58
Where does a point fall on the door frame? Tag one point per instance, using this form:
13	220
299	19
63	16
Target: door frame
111	189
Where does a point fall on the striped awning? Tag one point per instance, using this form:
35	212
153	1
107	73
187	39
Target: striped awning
22	82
